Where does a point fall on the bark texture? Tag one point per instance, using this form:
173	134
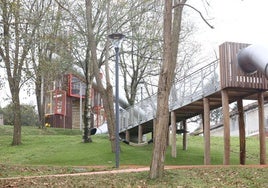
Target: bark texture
171	33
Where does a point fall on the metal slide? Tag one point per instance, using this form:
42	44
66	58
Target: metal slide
253	58
194	86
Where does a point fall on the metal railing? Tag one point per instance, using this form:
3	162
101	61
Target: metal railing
192	87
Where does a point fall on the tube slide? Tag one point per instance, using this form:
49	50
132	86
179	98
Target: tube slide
253	58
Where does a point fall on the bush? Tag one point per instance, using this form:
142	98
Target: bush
29	115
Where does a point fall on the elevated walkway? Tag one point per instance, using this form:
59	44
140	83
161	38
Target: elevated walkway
187	95
184	99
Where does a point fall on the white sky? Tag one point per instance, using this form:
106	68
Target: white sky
234	21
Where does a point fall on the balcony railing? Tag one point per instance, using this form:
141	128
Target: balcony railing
192	87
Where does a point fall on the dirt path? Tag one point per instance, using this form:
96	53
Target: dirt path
132	168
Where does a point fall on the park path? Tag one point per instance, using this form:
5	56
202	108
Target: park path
132	168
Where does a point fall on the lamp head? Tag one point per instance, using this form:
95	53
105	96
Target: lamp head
116	39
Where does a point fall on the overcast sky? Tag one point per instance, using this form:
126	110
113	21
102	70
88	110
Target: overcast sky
242	21
234	21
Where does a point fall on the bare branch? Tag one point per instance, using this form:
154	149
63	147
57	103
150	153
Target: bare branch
201	15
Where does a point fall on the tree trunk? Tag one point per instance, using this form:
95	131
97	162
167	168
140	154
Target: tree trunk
171	42
88	75
17	117
40	100
110	115
87	113
164	85
106	94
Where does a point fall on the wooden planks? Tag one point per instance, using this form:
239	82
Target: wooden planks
232	75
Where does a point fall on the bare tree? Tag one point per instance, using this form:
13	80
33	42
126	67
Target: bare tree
91	46
171	36
50	52
142	50
19	22
141	57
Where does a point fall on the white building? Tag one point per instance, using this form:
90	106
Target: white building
251	119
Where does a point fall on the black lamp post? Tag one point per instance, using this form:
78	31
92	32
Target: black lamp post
116	39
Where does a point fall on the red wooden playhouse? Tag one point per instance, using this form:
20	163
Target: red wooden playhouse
64	103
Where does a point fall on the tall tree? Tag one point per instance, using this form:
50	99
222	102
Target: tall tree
50	52
106	92
17	26
90	47
88	72
141	57
141	53
171	34
81	23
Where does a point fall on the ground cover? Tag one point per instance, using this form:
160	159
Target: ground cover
190	177
59	151
60	147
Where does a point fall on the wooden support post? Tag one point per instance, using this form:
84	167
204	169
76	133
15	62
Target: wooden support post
203	123
206	126
140	134
226	124
127	135
173	135
153	132
184	141
167	140
262	129
242	134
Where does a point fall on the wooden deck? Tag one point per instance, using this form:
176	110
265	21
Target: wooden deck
197	107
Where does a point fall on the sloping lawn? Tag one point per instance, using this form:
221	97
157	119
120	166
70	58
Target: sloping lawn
59	151
65	148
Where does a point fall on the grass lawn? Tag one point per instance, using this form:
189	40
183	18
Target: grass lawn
58	151
65	148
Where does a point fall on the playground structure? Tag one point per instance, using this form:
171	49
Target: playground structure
215	85
64	103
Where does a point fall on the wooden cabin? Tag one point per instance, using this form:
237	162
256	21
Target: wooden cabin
64	103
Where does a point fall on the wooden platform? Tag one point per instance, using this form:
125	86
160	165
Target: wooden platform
232	79
197	107
235	86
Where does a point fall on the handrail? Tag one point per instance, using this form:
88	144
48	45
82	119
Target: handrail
194	86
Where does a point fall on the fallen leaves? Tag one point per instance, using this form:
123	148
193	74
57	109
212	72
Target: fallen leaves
185	177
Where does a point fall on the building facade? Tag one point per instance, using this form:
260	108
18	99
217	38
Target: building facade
64	103
251	119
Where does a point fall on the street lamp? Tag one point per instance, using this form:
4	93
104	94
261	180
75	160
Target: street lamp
116	39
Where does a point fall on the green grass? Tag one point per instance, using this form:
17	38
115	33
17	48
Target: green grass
59	151
65	148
